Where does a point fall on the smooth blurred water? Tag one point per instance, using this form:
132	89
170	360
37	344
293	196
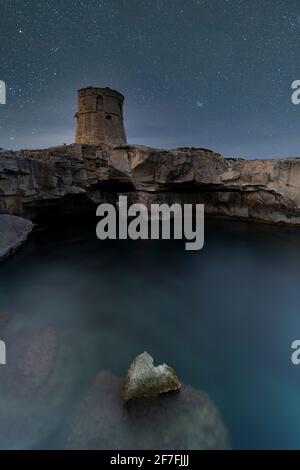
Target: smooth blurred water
223	317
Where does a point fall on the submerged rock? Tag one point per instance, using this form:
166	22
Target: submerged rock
36	385
184	419
4	319
13	233
32	361
143	379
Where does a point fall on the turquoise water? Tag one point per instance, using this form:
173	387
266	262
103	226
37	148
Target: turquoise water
223	317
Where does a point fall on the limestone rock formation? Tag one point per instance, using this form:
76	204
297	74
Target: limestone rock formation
143	379
182	420
73	179
13	232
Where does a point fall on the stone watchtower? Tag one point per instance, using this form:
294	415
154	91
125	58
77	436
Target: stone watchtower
100	117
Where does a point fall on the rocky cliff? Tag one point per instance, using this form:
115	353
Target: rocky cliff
13	233
74	179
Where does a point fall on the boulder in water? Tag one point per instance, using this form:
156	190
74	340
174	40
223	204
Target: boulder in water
13	233
143	379
182	420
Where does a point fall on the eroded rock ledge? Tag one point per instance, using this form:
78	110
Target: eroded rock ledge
74	178
13	233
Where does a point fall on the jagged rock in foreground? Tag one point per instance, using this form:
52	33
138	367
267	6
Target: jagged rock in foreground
143	379
13	233
182	420
73	179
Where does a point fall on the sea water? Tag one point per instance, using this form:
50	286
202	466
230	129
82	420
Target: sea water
224	317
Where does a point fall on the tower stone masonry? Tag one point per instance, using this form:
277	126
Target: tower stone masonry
100	117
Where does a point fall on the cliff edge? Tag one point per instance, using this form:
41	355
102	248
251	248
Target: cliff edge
73	179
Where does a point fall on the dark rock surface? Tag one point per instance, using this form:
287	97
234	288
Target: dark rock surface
184	419
4	319
32	361
35	387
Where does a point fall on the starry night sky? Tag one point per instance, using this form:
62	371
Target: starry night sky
208	73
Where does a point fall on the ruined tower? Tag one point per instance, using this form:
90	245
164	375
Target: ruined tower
100	117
